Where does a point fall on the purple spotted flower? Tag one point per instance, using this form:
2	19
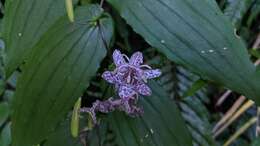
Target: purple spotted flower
110	105
129	77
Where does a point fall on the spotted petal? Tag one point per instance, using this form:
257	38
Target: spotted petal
109	77
118	58
118	78
136	59
126	106
152	73
126	92
143	89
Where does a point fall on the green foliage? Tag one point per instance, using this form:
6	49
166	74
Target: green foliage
254	12
62	136
255	53
194	88
161	123
236	9
5	136
212	51
74	127
256	142
4	112
25	22
2	70
68	54
178	81
48	62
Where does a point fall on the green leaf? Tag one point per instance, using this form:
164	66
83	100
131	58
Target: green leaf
256	142
161	123
2	71
255	53
254	12
8	96
5	137
84	2
194	88
70	11
58	71
213	3
75	119
25	21
193	34
177	81
62	136
4	112
236	9
101	135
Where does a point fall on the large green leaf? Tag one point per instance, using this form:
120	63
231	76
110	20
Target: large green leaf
176	81
161	124
58	71
213	3
25	22
62	136
196	35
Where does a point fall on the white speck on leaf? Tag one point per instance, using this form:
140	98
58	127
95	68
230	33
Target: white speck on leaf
151	130
162	41
19	34
203	52
224	48
211	51
146	136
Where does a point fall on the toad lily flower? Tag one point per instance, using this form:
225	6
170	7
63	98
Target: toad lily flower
129	77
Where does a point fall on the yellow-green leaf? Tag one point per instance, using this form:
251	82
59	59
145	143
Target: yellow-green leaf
75	119
70	11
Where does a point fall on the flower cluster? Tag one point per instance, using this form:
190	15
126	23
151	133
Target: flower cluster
129	77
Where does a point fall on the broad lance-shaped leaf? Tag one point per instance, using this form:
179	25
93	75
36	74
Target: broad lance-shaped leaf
25	21
160	125
62	136
196	35
213	3
57	72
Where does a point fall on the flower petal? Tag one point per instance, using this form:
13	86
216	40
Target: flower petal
126	105
122	69
109	77
118	58
136	59
143	89
152	73
126	92
118	78
136	111
138	74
